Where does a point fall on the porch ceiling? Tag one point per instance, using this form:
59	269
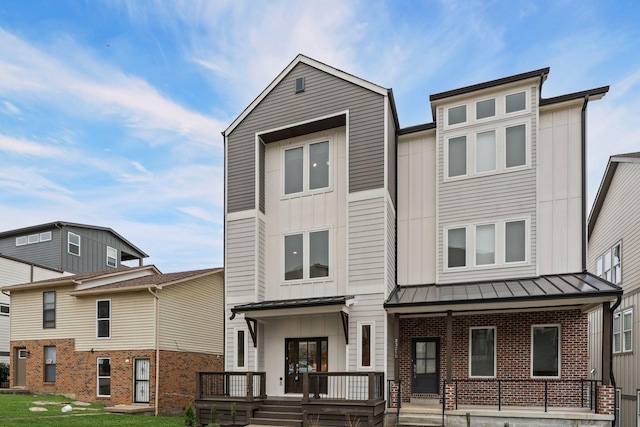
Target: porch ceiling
556	290
294	307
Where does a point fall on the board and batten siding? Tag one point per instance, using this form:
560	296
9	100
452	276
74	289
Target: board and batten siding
192	316
45	253
367	244
417	209
240	271
324	95
93	250
559	152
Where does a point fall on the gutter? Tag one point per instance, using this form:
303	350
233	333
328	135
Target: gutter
583	124
157	310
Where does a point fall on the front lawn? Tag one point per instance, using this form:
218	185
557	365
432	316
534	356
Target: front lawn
14	411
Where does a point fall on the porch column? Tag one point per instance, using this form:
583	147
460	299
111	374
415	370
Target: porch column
449	345
607	321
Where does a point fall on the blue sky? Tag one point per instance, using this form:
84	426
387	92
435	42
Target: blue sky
111	111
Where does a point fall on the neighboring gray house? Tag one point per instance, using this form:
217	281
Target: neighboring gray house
374	259
70	247
614	255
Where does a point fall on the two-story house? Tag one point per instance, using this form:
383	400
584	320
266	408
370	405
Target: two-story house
614	255
448	257
128	336
70	247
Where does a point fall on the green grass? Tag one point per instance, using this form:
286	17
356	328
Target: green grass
14	411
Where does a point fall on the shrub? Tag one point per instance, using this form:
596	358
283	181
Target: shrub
189	416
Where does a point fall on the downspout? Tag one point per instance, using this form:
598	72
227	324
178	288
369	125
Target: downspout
611	375
157	310
583	119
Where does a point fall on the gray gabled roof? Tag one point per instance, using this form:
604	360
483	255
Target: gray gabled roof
540	291
605	184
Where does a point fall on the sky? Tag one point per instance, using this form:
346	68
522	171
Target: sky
111	111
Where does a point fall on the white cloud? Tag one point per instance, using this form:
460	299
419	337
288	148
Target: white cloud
30	148
10	108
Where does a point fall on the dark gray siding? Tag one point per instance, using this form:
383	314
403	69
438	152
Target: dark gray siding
392	157
324	95
93	250
44	253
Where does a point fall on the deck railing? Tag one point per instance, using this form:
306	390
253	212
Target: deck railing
241	385
349	386
527	392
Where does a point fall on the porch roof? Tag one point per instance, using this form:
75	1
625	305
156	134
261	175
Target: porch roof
289	307
554	290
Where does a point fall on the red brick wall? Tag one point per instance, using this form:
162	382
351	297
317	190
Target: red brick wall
513	347
76	373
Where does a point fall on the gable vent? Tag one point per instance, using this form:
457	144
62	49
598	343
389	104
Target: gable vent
299	84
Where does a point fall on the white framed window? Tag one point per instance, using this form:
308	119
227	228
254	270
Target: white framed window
515	146
104	377
515	102
486	151
112	257
457	156
623	331
307	168
50	364
485	244
482	352
33	238
485	109
306	255
618	421
456	247
366	345
21	241
241	345
515	241
73	243
609	264
45	237
456	115
545	351
103	318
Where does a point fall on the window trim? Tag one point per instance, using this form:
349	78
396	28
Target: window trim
527	102
70	243
305	167
495	108
98	376
115	258
475	246
495	351
45	236
372	345
44	310
99	319
547	325
527	242
306	256
50	362
7	310
446	248
618	317
527	146
244	367
466	116
466	174
33	239
21	240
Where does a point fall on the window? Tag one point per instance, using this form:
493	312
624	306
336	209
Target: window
50	364
33	238
315	176
241	349
73	245
545	351
4	309
515	241
103	318
482	352
618	422
45	237
458	156
49	309
515	102
297	266
486	151
609	265
516	146
456	247
112	257
21	241
104	376
366	346
486	108
486	244
457	115
623	331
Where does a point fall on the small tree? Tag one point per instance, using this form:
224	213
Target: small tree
189	416
233	412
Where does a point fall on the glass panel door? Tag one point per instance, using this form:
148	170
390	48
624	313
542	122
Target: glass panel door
304	355
426	365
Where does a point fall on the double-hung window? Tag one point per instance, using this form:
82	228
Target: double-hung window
545	351
49	309
112	257
73	243
306	168
482	352
50	364
306	255
623	331
104	377
103	318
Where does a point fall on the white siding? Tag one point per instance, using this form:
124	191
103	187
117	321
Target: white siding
192	316
560	190
240	271
391	247
417	209
367	243
367	308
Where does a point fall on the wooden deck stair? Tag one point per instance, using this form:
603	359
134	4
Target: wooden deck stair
281	413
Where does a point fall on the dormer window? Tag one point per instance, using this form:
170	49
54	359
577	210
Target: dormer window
306	168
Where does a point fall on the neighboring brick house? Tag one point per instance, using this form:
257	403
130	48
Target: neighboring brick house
614	255
452	252
123	336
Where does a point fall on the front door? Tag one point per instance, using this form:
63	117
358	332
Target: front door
20	378
141	367
426	365
304	355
